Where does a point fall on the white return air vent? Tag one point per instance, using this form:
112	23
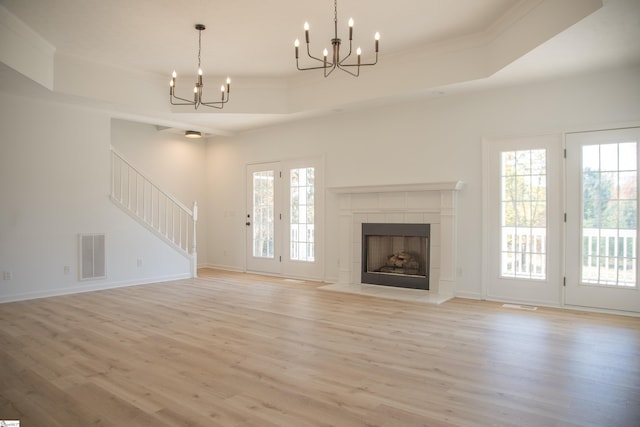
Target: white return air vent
92	256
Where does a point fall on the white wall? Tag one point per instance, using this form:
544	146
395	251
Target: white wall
54	184
422	141
54	173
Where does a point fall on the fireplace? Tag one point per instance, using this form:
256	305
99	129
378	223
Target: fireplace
396	254
433	203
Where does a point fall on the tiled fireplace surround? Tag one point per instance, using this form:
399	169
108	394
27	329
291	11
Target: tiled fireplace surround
427	203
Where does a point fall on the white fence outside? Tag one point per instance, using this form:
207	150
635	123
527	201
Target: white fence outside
524	253
609	256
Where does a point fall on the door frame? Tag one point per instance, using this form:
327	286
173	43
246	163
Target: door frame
287	267
627	300
495	287
257	264
304	269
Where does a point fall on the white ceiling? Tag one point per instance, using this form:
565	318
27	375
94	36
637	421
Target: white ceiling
247	37
251	40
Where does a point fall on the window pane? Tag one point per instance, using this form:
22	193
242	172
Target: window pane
508	163
523	162
263	214
539	187
524	214
538	162
609	157
508	214
627	185
627	155
539	214
590	158
301	224
609	214
628	214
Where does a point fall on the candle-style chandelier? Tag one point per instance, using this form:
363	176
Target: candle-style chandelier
336	61
197	89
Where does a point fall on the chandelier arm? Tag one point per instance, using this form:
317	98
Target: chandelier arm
313	68
348	55
360	65
183	103
217	104
326	64
210	104
342	67
317	59
186	101
333	67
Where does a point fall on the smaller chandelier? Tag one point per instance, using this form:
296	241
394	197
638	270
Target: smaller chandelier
198	88
336	60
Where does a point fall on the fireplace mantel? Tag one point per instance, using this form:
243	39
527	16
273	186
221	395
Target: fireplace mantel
429	186
432	203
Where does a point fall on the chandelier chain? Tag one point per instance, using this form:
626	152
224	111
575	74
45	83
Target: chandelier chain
199	46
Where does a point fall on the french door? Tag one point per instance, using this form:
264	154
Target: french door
263	218
602	218
522	230
285	218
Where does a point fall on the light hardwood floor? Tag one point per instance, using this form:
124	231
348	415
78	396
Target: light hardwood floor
231	349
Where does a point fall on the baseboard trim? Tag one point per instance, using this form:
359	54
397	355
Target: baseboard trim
221	267
241	270
91	288
539	303
467	295
601	310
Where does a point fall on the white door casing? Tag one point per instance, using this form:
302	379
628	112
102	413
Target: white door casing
602	218
522	261
285	218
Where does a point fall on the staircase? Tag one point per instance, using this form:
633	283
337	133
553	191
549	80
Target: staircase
157	210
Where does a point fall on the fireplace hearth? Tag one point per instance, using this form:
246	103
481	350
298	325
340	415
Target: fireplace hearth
396	254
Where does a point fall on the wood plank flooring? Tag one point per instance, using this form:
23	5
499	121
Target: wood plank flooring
231	349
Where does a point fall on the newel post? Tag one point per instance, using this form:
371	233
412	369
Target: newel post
194	253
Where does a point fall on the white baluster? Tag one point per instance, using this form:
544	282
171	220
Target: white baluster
194	253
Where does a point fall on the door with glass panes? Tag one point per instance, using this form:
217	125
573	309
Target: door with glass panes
263	218
602	218
284	218
523	226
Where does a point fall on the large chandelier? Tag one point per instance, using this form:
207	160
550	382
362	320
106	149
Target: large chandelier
336	61
197	89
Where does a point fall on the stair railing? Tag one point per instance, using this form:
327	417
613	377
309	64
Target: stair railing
155	208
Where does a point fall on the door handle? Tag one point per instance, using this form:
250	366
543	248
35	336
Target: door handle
247	223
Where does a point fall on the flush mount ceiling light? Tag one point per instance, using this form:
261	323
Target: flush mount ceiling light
192	134
336	61
197	89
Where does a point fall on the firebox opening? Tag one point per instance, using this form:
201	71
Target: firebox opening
396	255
